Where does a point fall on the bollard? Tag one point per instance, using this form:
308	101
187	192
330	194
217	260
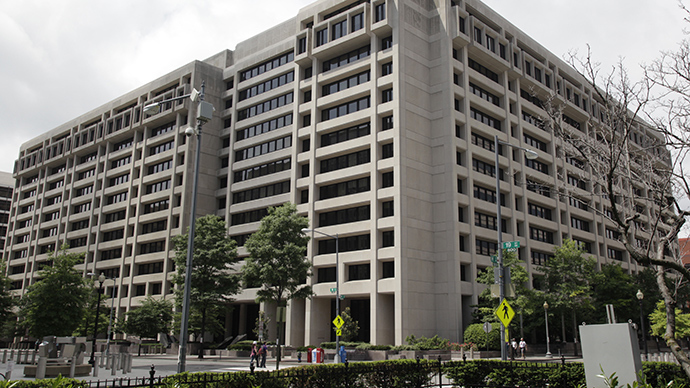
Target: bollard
72	366
152	373
19	356
113	370
8	373
41	368
33	357
95	366
11	354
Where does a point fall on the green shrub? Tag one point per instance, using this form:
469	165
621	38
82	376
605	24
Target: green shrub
366	346
501	373
659	374
475	333
331	345
423	343
242	345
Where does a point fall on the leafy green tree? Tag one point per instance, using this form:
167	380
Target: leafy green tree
87	322
261	326
152	317
7	302
658	322
55	304
213	281
522	301
475	334
612	285
568	281
350	326
277	262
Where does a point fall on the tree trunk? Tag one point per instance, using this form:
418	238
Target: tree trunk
669	335
575	333
277	342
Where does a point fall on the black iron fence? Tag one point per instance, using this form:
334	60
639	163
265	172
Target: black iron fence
386	374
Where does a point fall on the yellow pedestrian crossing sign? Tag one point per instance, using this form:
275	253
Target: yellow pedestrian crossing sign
505	313
338	322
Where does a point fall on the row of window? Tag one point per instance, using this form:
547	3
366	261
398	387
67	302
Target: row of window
263	87
265	106
346	83
261	192
264	148
266	126
267	66
263	170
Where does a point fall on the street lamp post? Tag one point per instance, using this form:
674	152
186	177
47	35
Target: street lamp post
640	297
337	286
112	307
204	114
529	154
548	341
92	360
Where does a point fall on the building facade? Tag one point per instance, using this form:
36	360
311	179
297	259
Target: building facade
377	118
6	188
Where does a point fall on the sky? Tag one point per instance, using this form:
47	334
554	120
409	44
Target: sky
62	58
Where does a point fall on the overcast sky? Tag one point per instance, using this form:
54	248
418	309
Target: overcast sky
62	58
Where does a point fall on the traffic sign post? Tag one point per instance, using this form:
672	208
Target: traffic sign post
505	313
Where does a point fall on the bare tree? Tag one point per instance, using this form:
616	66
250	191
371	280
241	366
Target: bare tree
630	150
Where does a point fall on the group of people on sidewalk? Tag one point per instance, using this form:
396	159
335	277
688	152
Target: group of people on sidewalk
258	354
514	348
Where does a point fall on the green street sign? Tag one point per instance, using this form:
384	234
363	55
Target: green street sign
511	244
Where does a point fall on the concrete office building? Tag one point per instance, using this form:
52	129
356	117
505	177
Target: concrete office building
6	188
376	118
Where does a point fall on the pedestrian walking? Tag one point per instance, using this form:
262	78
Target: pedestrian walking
262	352
513	348
254	355
523	348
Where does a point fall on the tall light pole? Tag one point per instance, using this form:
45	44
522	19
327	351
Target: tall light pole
112	306
337	286
204	113
548	341
640	297
92	360
529	154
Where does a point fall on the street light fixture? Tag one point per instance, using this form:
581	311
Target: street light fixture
640	297
337	287
546	318
204	113
92	360
531	155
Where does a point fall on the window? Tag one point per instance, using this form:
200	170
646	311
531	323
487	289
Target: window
540	258
387	95
78	225
266	86
110	254
387	269
264	127
345	188
485	118
247	217
539	211
386	123
345	109
87	158
84	207
338	30
386	69
483	142
387	179
387	209
574	181
123	144
263	170
345	161
115	216
344	216
321	37
357	21
119	180
115	198
165	128
86	174
358	272
113	235
156	206
387	239
614	254
540	235
483	94
486	168
487	195
538	188
485	248
387	151
537	165
478	35
261	192
267	66
386	42
158	186
379	12
152	247
302	45
83	191
264	148
120	162
325	275
488	221
534	143
345	244
346	83
265	106
159	167
580	224
482	70
344	59
160	148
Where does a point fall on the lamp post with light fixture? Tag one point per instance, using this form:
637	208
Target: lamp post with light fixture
337	287
531	155
102	278
548	342
640	297
204	114
92	360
